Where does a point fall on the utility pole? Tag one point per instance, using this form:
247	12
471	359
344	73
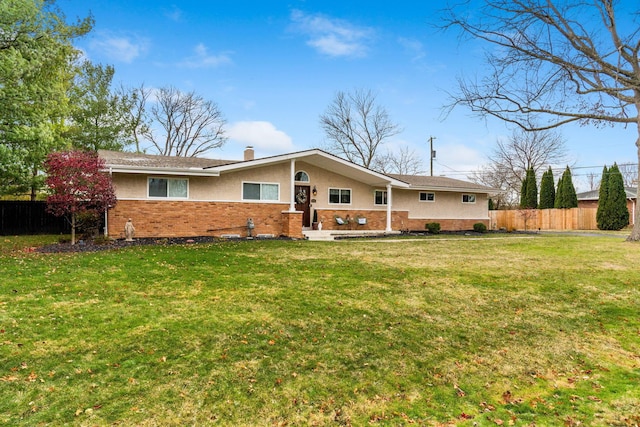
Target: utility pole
432	154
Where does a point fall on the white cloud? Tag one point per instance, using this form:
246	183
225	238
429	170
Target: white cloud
456	160
119	48
175	14
332	37
412	47
261	135
202	58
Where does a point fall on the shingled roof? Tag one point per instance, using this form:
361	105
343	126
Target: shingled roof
442	183
119	158
595	194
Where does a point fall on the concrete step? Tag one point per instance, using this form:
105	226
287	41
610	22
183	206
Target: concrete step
318	235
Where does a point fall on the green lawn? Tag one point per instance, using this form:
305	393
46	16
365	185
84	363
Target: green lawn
540	330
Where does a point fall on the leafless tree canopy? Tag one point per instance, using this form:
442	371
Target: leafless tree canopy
188	124
629	173
137	119
403	162
510	159
554	62
356	127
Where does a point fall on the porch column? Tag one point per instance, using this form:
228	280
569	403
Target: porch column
389	198
292	189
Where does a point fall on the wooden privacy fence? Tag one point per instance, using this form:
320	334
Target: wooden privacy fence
544	219
21	217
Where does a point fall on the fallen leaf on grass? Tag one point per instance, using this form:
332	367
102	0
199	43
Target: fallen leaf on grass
460	392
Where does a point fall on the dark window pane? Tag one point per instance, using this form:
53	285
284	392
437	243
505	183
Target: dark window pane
250	191
157	187
334	195
345	196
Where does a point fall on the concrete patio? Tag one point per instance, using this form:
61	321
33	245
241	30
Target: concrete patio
329	235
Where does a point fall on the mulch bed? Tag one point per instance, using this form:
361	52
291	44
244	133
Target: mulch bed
90	246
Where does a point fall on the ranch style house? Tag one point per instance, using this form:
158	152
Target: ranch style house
282	195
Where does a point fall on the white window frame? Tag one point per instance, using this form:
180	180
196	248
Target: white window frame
340	190
426	200
302	172
261	199
385	197
469	196
167	197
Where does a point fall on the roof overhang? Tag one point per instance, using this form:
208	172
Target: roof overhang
323	160
454	189
162	171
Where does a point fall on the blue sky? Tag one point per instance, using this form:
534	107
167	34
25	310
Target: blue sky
274	66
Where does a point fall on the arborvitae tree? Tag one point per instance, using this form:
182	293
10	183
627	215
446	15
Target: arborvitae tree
547	190
615	215
523	192
559	194
566	195
570	190
602	212
529	197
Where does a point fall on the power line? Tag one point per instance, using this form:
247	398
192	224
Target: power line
558	169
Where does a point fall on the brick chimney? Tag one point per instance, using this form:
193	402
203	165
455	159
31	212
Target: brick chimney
249	153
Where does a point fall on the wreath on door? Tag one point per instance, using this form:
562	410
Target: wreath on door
301	197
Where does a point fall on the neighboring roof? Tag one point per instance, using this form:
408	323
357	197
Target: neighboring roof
441	183
595	194
125	162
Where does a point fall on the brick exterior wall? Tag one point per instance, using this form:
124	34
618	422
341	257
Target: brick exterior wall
153	218
158	218
292	224
377	220
446	224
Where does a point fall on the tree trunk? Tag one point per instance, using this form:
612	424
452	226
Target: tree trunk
73	228
635	232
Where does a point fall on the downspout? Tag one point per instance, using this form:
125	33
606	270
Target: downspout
292	204
389	198
106	209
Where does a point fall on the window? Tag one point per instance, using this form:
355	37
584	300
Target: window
468	198
169	188
302	176
340	196
427	197
380	197
260	191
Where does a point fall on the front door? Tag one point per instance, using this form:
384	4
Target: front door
303	203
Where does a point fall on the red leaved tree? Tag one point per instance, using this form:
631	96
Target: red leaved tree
78	187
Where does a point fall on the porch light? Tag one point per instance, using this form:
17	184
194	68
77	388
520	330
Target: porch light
314	191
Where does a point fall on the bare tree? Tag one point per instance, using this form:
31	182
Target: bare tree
402	162
137	118
593	179
491	175
356	127
629	173
555	62
188	124
511	158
